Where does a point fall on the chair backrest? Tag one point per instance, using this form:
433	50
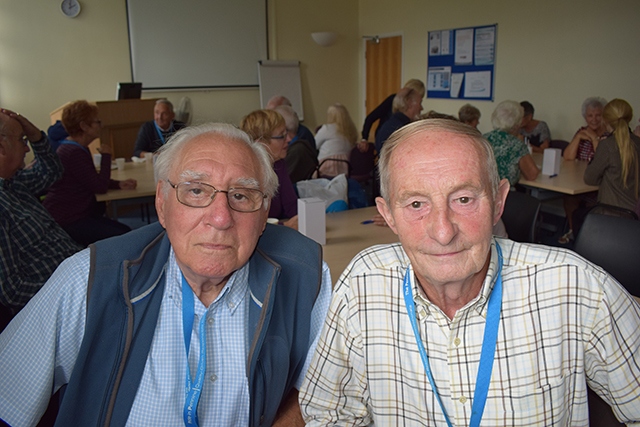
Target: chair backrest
333	166
362	164
612	210
520	216
613	243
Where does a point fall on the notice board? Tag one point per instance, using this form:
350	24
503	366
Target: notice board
461	63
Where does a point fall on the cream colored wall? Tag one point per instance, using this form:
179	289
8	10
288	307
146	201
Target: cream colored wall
329	74
551	53
48	59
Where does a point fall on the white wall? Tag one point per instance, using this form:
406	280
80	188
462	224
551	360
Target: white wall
553	53
549	52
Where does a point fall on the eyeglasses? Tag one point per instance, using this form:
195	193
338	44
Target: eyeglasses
98	121
283	136
200	195
22	138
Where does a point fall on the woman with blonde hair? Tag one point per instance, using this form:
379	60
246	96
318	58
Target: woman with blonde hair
614	167
335	140
269	128
384	111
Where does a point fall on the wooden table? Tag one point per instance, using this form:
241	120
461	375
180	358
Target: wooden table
142	173
144	194
569	180
346	236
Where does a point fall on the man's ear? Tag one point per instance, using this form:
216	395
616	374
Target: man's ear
160	199
385	211
501	197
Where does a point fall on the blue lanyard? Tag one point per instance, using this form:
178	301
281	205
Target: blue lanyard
488	345
193	388
160	131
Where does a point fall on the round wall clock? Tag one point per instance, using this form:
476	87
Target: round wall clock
70	8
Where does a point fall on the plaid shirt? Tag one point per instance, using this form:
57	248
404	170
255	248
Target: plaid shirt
565	323
31	243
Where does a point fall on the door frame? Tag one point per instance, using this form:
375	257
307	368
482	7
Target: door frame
363	72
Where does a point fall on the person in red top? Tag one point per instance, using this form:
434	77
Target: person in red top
71	201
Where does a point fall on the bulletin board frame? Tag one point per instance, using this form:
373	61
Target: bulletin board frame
461	63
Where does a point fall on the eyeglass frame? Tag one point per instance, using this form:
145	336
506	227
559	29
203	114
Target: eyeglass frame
23	138
279	137
216	191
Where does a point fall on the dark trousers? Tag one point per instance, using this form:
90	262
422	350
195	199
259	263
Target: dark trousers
89	230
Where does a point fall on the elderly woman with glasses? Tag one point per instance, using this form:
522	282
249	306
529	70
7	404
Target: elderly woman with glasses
71	201
269	128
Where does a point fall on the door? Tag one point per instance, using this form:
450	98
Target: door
383	71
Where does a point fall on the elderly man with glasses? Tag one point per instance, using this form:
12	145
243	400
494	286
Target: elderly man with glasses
31	243
207	318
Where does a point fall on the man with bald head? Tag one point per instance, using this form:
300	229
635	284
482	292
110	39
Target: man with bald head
32	244
453	326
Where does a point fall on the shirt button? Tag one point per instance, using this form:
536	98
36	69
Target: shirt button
422	313
463	400
213	377
231	305
210	320
456	342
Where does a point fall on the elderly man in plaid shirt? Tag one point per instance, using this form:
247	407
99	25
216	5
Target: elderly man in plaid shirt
453	326
31	243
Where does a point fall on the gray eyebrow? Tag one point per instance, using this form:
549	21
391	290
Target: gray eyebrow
240	182
190	175
248	182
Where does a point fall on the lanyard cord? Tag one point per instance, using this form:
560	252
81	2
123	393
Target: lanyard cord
193	388
488	345
160	134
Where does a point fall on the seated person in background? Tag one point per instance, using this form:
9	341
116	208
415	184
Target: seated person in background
335	140
535	130
583	147
469	115
302	157
512	155
412	324
585	141
56	134
32	244
407	105
155	133
268	127
72	199
225	320
303	131
384	111
614	167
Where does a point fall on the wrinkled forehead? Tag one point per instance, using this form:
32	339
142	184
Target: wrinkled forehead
212	156
437	148
161	108
9	125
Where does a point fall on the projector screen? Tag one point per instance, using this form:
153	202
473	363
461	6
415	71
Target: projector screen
196	43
